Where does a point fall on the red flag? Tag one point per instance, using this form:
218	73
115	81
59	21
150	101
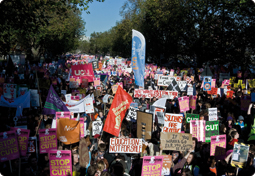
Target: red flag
118	109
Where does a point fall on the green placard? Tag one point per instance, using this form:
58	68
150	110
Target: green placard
190	117
211	129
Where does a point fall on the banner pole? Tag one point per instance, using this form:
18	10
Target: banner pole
10	165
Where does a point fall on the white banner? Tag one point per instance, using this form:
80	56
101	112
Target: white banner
89	108
165	80
125	145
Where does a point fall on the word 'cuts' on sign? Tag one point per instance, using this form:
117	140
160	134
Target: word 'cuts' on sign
125	145
176	141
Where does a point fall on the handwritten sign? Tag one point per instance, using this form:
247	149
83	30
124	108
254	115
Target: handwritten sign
192	117
48	140
218	146
197	129
172	123
211	129
139	93
60	162
152	165
125	145
176	141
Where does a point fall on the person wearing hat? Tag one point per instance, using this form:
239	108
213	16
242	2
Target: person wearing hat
240	122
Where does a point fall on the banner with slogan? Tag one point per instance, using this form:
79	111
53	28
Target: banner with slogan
211	129
23	136
84	70
125	145
48	140
60	162
197	129
190	117
138	57
218	146
176	141
167	164
118	109
192	102
184	103
173	123
152	165
165	80
9	146
139	93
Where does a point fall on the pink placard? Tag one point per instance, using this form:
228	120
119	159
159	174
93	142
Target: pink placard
192	102
139	93
220	151
213	83
86	71
10	147
96	82
81	128
48	140
197	129
60	162
184	104
23	136
152	165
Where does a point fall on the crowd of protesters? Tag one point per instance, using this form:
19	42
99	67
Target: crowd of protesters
238	125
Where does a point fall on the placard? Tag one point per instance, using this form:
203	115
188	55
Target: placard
152	165
60	162
211	129
125	145
190	91
218	146
114	89
182	85
192	102
176	141
89	108
165	80
197	129
9	146
132	115
212	112
167	164
144	125
190	117
48	140
240	155
173	123
140	93
184	103
97	127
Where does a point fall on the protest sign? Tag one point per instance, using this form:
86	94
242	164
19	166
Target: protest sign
82	134
125	145
192	102
207	83
63	114
167	164
160	116
165	80
96	82
89	108
211	129
97	127
182	85
144	125
48	140
10	91
176	141
32	145
190	91
95	65
84	70
23	136
197	129
9	146
60	162
190	117
240	155
184	103
132	115
218	146
114	89
152	165
83	153
212	112
158	109
173	123
139	93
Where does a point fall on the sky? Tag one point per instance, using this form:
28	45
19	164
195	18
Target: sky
103	15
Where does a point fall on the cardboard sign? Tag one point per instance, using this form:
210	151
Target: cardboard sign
190	117
211	129
192	102
132	115
152	165
197	129
60	162
23	136
213	115
144	125
167	164
97	127
125	145
89	108
48	140
240	155
176	141
10	90
139	93
9	146
218	146
184	104
173	123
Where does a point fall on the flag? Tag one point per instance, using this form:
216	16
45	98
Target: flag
120	104
138	57
53	103
173	86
